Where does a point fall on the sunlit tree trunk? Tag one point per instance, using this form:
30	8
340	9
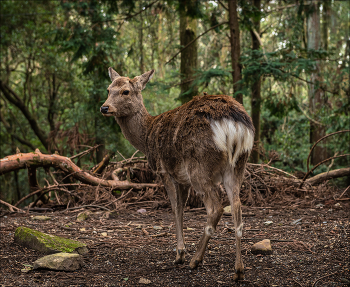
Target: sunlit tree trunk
188	31
235	48
256	87
316	95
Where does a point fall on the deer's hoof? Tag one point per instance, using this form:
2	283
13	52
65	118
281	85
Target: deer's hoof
239	275
180	257
194	263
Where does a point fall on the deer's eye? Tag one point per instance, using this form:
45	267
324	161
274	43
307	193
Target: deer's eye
126	92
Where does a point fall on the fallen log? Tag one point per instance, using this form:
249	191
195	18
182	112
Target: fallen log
37	159
328	175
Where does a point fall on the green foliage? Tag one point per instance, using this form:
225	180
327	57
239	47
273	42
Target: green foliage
55	57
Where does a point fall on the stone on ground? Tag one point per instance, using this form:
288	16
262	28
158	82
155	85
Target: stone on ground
227	210
41	217
262	247
144	281
60	261
47	243
83	215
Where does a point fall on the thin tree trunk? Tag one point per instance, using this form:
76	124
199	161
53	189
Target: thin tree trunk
142	66
235	48
316	95
256	88
13	98
188	31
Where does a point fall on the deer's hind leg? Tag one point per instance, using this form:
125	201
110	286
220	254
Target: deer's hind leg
214	212
232	181
178	194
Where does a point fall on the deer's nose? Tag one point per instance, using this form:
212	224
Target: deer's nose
104	110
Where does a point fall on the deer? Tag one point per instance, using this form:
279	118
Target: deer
204	142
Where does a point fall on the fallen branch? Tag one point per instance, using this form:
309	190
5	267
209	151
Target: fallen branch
102	165
344	192
271	167
328	175
37	159
85	152
306	175
322	138
46	190
11	207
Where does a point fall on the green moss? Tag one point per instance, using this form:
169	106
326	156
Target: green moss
45	242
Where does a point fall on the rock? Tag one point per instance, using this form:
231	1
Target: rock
262	247
157	227
47	243
83	216
144	281
227	210
41	217
60	261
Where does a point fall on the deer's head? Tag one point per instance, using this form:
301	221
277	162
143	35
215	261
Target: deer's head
124	94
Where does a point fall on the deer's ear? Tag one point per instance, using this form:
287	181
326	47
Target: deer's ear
112	74
144	78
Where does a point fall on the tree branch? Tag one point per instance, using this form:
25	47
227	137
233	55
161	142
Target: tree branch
328	175
129	16
194	40
222	4
305	177
322	138
15	100
15	136
37	159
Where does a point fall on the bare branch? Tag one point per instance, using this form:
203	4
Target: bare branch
11	207
317	165
222	4
324	137
27	160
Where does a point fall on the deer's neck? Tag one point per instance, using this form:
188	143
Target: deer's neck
134	128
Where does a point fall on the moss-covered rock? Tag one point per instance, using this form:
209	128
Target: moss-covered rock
47	243
60	261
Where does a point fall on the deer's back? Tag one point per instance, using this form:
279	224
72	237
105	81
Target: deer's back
195	131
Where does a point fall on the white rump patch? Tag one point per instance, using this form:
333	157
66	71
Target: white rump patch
229	134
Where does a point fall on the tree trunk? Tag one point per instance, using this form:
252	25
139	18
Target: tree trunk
142	66
235	48
13	98
99	139
256	89
316	95
188	31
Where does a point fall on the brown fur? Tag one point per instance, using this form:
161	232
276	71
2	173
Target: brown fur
180	147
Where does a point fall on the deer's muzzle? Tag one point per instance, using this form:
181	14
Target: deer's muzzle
104	110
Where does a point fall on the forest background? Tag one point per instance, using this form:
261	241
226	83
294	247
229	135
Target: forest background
286	61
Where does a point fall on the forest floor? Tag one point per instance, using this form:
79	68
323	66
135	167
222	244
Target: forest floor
310	248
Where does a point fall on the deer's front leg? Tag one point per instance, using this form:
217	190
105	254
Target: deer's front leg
178	195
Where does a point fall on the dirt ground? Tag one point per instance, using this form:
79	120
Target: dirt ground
310	248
